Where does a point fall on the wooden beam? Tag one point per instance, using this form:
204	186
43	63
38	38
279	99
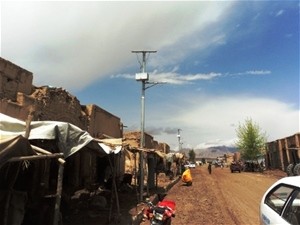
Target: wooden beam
36	157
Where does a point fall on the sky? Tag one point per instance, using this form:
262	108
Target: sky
218	63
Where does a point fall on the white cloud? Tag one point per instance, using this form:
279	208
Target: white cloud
180	79
250	72
173	78
211	120
72	44
59	41
258	72
279	13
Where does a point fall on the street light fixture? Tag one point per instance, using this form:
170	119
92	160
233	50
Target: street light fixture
143	76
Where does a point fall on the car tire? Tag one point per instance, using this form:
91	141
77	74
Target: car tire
289	170
297	169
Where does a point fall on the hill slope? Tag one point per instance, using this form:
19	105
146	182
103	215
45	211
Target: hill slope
212	152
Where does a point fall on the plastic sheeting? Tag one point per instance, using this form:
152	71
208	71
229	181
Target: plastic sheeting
70	138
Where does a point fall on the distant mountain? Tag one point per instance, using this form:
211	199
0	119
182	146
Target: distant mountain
212	152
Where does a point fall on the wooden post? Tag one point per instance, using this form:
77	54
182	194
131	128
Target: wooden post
9	194
114	187
58	191
28	122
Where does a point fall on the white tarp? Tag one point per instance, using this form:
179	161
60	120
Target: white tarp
111	145
70	137
110	149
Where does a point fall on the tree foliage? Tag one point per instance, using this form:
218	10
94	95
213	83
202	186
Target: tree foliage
251	140
192	155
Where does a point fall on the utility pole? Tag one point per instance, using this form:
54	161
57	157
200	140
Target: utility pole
178	136
179	148
143	76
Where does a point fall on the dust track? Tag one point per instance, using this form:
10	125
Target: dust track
220	198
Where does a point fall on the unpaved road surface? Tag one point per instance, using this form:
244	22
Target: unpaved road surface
220	198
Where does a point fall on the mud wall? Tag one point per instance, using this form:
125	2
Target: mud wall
133	139
282	152
102	124
19	99
13	79
163	147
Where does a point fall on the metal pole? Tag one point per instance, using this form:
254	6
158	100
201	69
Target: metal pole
178	135
142	142
143	69
142	138
179	149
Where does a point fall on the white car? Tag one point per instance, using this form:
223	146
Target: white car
192	165
280	204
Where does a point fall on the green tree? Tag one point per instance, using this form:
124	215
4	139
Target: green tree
251	140
192	155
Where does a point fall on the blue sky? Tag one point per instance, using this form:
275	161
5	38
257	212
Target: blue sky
221	62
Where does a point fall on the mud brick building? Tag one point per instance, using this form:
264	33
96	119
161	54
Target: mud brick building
85	169
19	98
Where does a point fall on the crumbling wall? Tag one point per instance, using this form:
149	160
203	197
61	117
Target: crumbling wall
19	98
58	105
102	124
14	109
149	142
13	79
164	147
133	138
45	103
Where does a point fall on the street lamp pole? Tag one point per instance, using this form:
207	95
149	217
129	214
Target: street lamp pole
143	76
178	135
179	148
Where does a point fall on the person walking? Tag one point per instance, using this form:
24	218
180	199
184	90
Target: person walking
209	168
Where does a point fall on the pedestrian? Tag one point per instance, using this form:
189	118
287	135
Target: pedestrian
187	176
209	168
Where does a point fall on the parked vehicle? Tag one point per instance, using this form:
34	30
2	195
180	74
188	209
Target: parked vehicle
217	163
160	214
192	165
281	203
235	166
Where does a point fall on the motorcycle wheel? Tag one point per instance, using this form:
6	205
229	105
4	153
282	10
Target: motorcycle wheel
156	222
167	221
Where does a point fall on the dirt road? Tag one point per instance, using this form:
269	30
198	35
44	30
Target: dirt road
220	198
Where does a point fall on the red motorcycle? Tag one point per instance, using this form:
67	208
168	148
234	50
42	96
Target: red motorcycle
161	213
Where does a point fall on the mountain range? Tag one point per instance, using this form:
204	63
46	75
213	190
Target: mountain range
211	152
